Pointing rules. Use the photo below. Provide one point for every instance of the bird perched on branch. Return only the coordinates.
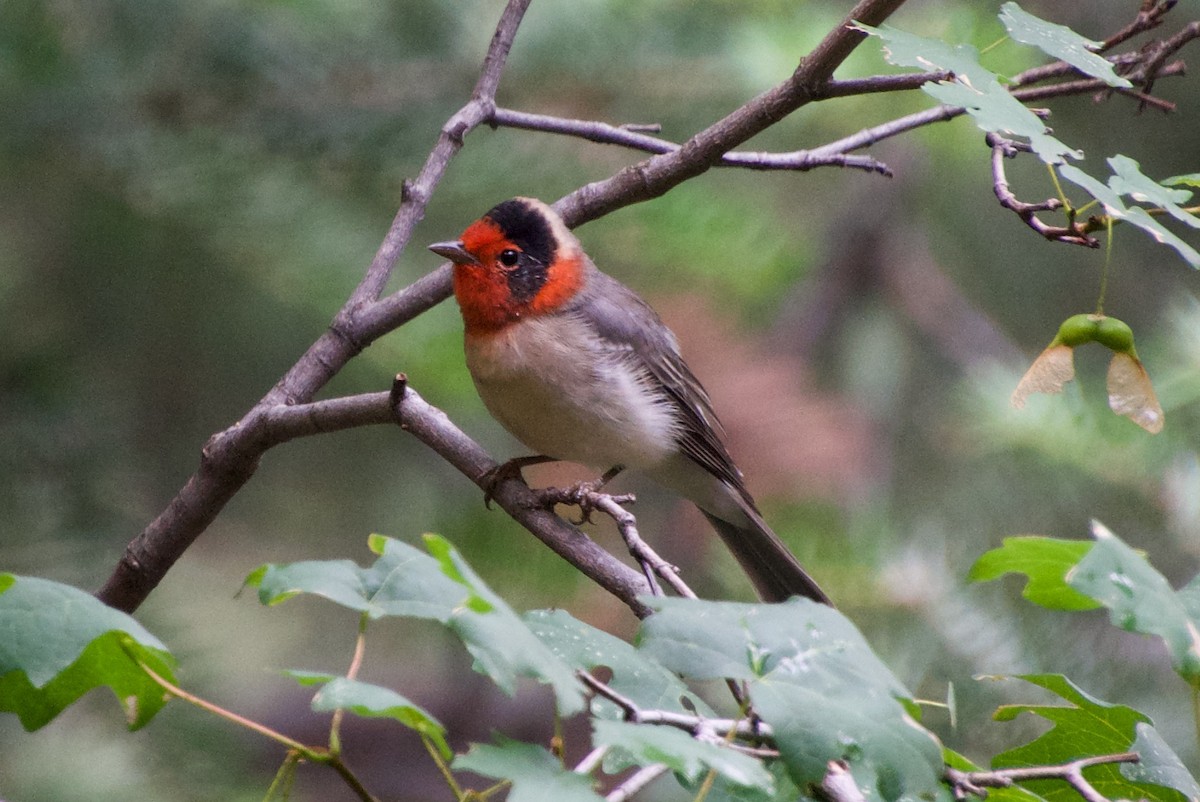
(579, 368)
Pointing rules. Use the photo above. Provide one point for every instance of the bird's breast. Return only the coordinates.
(565, 393)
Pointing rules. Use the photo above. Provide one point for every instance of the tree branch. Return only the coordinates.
(604, 133)
(975, 781)
(230, 457)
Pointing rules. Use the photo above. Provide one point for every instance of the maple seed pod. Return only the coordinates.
(1079, 329)
(1115, 335)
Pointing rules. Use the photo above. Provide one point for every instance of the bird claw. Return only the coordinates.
(580, 494)
(492, 478)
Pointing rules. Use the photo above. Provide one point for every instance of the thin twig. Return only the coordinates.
(639, 780)
(711, 729)
(1073, 234)
(838, 784)
(591, 760)
(315, 754)
(973, 782)
(626, 136)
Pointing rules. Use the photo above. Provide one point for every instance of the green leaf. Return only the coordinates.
(372, 701)
(536, 775)
(503, 646)
(403, 581)
(1086, 726)
(58, 643)
(1136, 215)
(442, 587)
(724, 791)
(1060, 42)
(634, 675)
(1139, 599)
(1159, 765)
(1128, 179)
(808, 667)
(1046, 562)
(681, 752)
(1191, 180)
(975, 89)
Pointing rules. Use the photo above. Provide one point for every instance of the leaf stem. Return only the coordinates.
(306, 752)
(432, 749)
(360, 646)
(314, 753)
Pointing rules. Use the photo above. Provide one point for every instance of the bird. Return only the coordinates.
(579, 368)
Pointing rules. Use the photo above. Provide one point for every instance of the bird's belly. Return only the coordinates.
(537, 380)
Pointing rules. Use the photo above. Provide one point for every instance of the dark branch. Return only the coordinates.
(604, 133)
(231, 457)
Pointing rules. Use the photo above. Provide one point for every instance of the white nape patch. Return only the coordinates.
(564, 393)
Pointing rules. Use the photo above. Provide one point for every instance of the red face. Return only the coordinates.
(508, 282)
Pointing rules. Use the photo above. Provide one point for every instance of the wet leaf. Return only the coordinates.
(536, 775)
(1139, 599)
(807, 666)
(1061, 42)
(684, 754)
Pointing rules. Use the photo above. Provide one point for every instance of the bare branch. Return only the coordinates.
(231, 457)
(604, 133)
(881, 83)
(433, 428)
(838, 784)
(659, 174)
(1073, 233)
(974, 782)
(586, 496)
(640, 779)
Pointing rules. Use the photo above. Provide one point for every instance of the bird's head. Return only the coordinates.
(517, 260)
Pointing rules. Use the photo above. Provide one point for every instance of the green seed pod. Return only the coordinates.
(1115, 335)
(1078, 330)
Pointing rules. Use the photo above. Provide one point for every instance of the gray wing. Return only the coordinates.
(628, 324)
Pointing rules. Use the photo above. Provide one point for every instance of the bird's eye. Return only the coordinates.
(509, 257)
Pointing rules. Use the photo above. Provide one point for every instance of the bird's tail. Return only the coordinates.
(776, 573)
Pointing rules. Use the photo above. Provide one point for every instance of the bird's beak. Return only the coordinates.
(455, 252)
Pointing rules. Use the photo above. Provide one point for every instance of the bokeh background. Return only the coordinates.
(189, 190)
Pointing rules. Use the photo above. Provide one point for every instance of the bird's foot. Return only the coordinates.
(491, 479)
(580, 494)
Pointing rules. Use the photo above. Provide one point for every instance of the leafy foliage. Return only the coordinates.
(371, 701)
(684, 754)
(58, 643)
(1100, 728)
(975, 88)
(1128, 180)
(536, 775)
(1045, 561)
(405, 582)
(1060, 42)
(635, 674)
(1111, 574)
(806, 664)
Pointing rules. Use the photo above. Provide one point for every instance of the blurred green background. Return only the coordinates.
(189, 190)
